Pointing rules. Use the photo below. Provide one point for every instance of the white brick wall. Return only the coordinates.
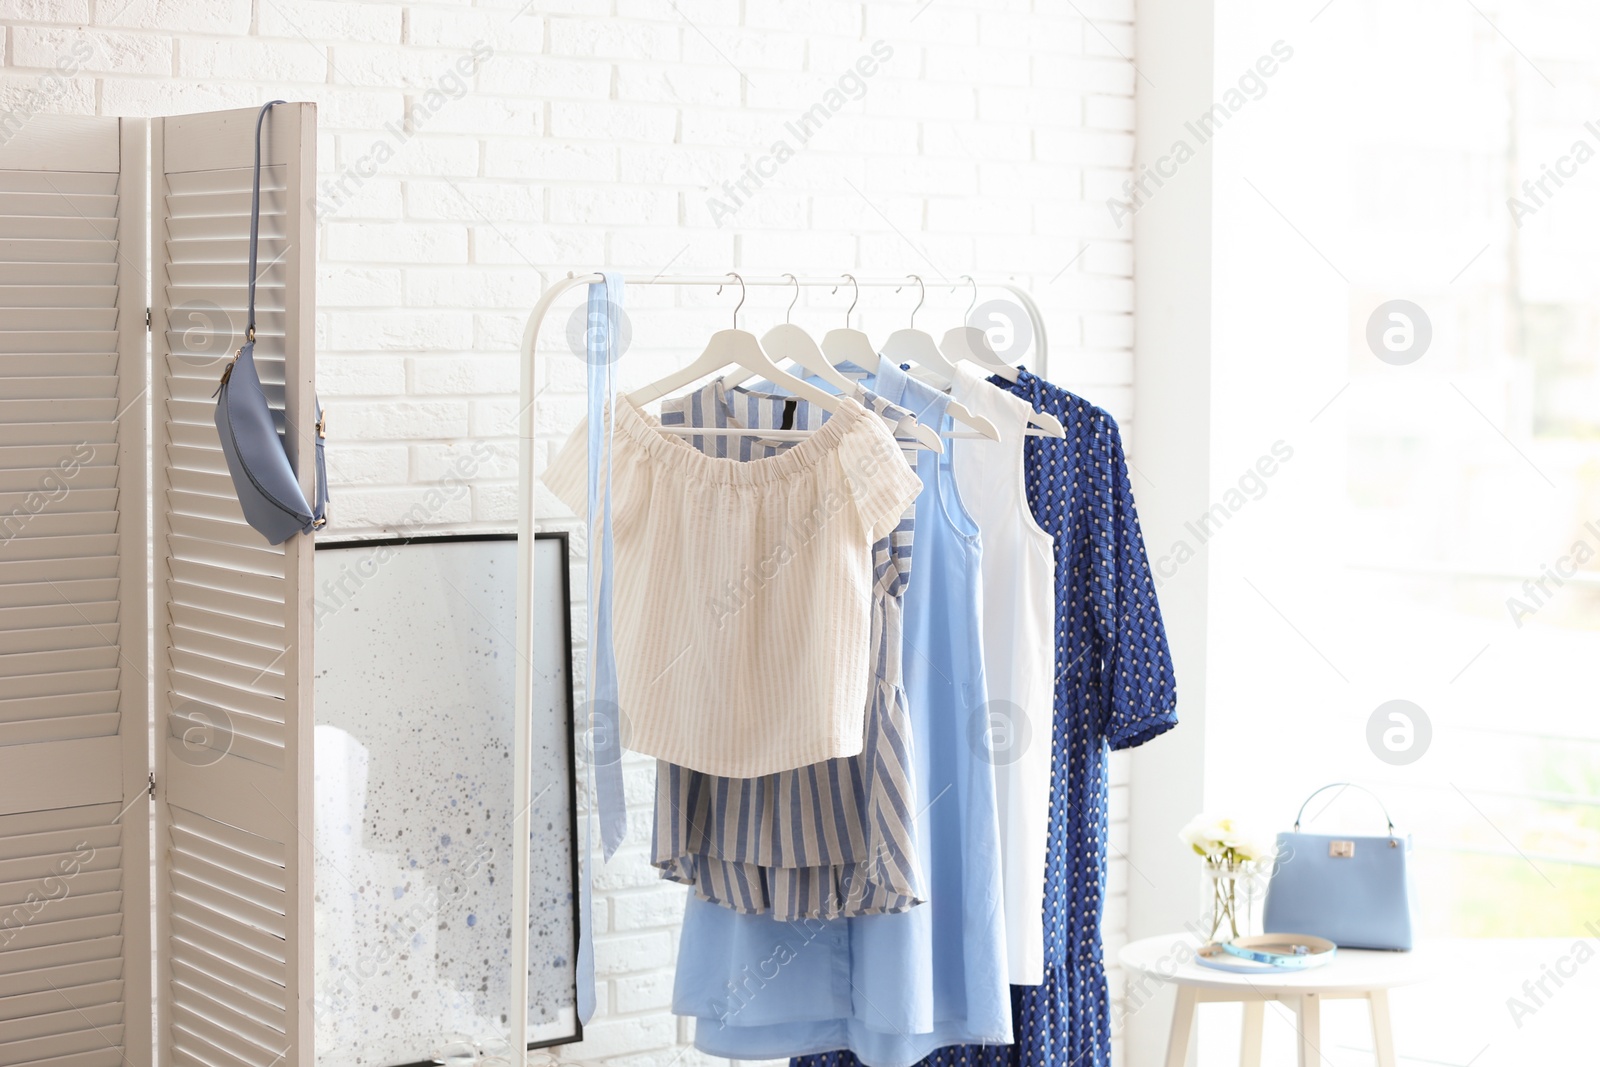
(592, 136)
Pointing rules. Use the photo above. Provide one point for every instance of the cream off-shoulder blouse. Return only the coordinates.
(743, 590)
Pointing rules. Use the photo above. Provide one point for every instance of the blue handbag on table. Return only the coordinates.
(263, 478)
(1354, 891)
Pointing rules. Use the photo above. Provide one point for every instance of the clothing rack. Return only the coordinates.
(522, 792)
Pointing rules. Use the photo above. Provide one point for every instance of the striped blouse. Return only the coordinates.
(823, 841)
(742, 608)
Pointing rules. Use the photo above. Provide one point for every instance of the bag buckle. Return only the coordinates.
(1341, 850)
(227, 372)
(322, 426)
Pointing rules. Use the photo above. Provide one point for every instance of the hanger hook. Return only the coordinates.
(853, 300)
(790, 309)
(967, 318)
(922, 294)
(740, 304)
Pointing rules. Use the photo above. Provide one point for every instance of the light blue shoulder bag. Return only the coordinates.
(1354, 891)
(252, 438)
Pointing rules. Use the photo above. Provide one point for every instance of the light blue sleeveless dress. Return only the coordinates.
(891, 988)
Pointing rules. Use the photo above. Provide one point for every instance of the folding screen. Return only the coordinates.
(230, 685)
(133, 594)
(233, 619)
(74, 752)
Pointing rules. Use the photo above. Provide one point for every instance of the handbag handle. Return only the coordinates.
(1346, 785)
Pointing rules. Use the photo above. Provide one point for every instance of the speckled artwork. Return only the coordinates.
(415, 691)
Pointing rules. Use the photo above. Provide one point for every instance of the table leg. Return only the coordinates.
(1309, 1022)
(1182, 1026)
(1255, 1013)
(1382, 1027)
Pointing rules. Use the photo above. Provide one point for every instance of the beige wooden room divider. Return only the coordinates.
(155, 665)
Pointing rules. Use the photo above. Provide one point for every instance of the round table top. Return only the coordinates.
(1171, 958)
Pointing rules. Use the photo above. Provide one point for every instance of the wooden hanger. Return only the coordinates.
(788, 341)
(736, 347)
(845, 345)
(916, 347)
(905, 346)
(967, 342)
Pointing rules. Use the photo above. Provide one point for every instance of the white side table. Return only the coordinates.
(1352, 974)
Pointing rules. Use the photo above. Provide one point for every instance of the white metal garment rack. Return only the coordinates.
(526, 519)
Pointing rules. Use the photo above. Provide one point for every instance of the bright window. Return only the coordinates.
(1434, 534)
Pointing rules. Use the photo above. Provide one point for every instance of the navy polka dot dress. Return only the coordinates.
(1114, 689)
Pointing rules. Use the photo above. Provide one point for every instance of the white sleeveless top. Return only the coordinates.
(1019, 603)
(742, 610)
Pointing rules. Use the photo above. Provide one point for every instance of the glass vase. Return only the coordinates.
(1228, 898)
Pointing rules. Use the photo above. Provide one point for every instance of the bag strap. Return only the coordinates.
(1345, 785)
(319, 505)
(255, 220)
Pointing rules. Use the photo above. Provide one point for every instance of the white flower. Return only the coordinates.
(1256, 844)
(1203, 833)
(1220, 837)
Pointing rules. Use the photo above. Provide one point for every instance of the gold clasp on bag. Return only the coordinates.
(1341, 850)
(227, 371)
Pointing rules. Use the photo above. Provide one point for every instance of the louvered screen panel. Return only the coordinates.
(74, 660)
(233, 686)
(62, 971)
(228, 935)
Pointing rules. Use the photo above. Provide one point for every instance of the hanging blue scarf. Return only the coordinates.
(604, 338)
